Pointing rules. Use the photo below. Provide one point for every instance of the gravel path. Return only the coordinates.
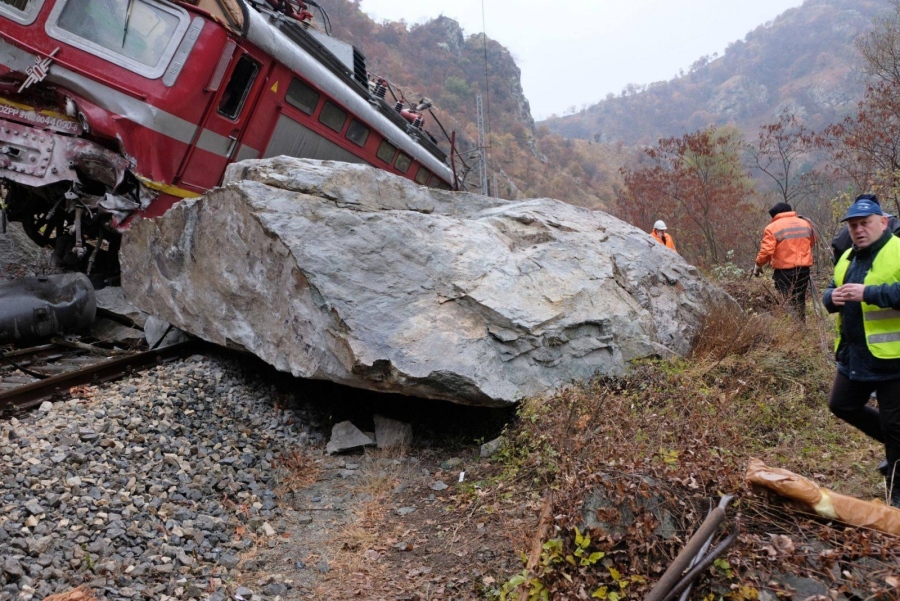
(160, 486)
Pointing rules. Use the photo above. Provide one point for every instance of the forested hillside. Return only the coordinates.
(800, 73)
(437, 60)
(803, 61)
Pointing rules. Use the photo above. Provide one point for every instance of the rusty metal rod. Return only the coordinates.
(694, 572)
(723, 503)
(24, 370)
(682, 560)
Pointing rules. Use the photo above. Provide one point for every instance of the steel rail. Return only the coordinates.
(30, 395)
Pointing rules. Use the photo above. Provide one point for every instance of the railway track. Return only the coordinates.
(30, 376)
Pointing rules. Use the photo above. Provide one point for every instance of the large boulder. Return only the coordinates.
(350, 274)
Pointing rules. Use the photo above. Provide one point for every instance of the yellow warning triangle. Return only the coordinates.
(275, 87)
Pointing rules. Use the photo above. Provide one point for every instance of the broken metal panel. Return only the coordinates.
(38, 158)
(35, 308)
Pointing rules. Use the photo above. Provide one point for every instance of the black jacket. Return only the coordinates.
(855, 361)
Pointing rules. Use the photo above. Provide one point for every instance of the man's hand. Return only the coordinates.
(757, 271)
(846, 293)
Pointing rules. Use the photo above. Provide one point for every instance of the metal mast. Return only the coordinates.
(482, 147)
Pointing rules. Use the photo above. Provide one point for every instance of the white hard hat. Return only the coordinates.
(659, 225)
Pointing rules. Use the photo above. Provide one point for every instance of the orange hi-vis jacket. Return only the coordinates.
(665, 239)
(787, 242)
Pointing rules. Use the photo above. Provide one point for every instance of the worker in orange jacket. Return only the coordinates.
(662, 236)
(787, 246)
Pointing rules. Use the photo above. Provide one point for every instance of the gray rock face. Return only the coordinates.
(160, 334)
(392, 434)
(350, 274)
(20, 257)
(112, 298)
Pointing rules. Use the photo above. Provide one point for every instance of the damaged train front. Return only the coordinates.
(65, 174)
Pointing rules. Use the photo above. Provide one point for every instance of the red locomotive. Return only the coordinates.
(112, 110)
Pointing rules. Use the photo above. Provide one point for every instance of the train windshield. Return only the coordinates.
(138, 34)
(22, 11)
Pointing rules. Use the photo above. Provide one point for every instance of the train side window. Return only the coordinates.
(357, 133)
(302, 96)
(139, 35)
(386, 151)
(402, 163)
(333, 116)
(20, 11)
(422, 175)
(238, 87)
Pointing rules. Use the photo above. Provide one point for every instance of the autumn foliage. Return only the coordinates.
(696, 184)
(865, 148)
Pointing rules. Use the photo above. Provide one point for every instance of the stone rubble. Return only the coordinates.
(155, 487)
(392, 434)
(347, 437)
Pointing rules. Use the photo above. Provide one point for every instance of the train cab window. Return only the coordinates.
(357, 133)
(422, 175)
(402, 163)
(139, 35)
(20, 11)
(333, 116)
(302, 96)
(238, 87)
(435, 182)
(386, 151)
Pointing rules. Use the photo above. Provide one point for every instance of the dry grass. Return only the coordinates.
(657, 447)
(357, 547)
(677, 435)
(77, 594)
(297, 470)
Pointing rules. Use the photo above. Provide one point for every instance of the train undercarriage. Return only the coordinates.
(91, 193)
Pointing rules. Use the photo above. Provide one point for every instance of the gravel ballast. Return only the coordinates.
(154, 487)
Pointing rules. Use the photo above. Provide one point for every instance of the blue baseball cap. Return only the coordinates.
(863, 208)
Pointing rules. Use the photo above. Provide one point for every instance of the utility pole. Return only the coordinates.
(482, 147)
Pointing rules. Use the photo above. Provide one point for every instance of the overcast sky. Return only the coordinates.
(574, 52)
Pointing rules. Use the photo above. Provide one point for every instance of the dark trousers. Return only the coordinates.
(849, 399)
(792, 284)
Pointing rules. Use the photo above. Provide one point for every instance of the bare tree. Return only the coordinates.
(880, 48)
(779, 153)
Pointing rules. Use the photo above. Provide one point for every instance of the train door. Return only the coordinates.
(219, 134)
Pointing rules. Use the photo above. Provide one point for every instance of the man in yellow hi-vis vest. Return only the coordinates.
(866, 294)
